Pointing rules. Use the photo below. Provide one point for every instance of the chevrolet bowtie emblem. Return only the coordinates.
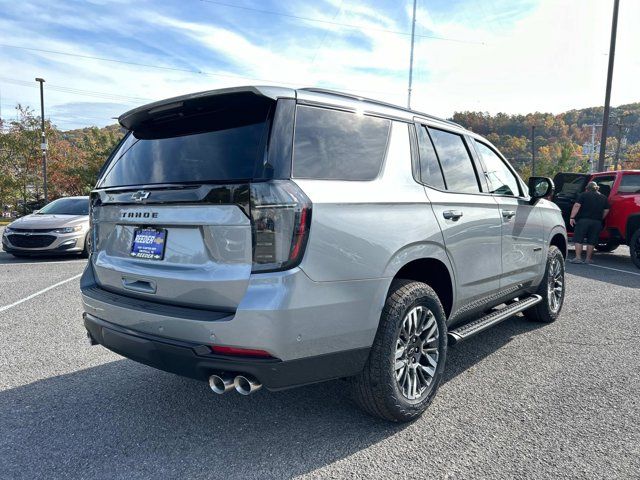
(140, 195)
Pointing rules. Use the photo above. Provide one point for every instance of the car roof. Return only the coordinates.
(311, 96)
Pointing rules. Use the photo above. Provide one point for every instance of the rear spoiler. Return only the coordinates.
(172, 107)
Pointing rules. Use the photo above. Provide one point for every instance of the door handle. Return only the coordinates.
(452, 214)
(508, 213)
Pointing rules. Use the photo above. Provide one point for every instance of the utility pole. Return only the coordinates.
(413, 42)
(620, 126)
(592, 148)
(43, 143)
(533, 150)
(607, 97)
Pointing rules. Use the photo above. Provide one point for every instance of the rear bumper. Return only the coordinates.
(196, 360)
(324, 328)
(283, 313)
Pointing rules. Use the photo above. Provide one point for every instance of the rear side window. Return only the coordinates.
(226, 145)
(430, 172)
(459, 172)
(629, 184)
(334, 145)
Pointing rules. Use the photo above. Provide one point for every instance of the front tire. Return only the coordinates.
(551, 289)
(408, 355)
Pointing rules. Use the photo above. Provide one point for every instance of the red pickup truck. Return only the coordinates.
(622, 187)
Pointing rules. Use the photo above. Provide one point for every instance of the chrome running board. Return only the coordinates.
(470, 329)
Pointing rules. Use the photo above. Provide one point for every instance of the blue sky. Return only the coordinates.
(500, 55)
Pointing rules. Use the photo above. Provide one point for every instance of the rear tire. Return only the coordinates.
(408, 355)
(551, 289)
(607, 247)
(634, 248)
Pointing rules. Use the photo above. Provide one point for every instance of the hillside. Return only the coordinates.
(559, 138)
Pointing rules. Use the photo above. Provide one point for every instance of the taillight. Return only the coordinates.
(280, 220)
(93, 199)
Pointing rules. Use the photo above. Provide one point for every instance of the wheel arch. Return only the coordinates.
(633, 223)
(558, 238)
(427, 263)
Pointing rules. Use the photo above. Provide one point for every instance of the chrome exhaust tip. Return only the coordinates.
(246, 385)
(220, 384)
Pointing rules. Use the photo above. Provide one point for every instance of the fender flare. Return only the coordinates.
(555, 230)
(419, 251)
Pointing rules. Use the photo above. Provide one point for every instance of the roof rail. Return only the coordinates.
(377, 102)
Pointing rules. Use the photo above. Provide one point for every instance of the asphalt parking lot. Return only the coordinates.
(520, 401)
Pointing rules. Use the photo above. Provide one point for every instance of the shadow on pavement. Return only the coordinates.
(627, 278)
(122, 419)
(464, 355)
(8, 259)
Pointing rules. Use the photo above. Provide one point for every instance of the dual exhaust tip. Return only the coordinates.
(244, 385)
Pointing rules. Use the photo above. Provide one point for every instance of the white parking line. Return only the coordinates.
(44, 290)
(615, 269)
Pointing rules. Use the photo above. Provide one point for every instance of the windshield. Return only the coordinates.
(67, 206)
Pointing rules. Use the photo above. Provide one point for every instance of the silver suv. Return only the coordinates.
(268, 236)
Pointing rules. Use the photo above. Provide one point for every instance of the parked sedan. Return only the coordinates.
(60, 227)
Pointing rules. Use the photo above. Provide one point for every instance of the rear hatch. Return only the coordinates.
(568, 187)
(170, 214)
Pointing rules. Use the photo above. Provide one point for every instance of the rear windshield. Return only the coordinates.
(67, 206)
(226, 145)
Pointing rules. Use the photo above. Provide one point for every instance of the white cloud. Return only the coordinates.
(550, 57)
(553, 59)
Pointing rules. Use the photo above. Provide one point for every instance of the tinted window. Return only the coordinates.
(67, 206)
(430, 173)
(501, 180)
(569, 185)
(333, 145)
(224, 146)
(629, 184)
(458, 170)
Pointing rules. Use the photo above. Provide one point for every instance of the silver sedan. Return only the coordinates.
(62, 226)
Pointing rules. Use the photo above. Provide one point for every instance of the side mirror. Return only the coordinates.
(35, 211)
(540, 187)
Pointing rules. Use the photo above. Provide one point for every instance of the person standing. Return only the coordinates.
(587, 215)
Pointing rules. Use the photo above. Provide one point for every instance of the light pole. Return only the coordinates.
(43, 143)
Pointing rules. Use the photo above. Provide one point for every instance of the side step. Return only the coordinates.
(470, 329)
